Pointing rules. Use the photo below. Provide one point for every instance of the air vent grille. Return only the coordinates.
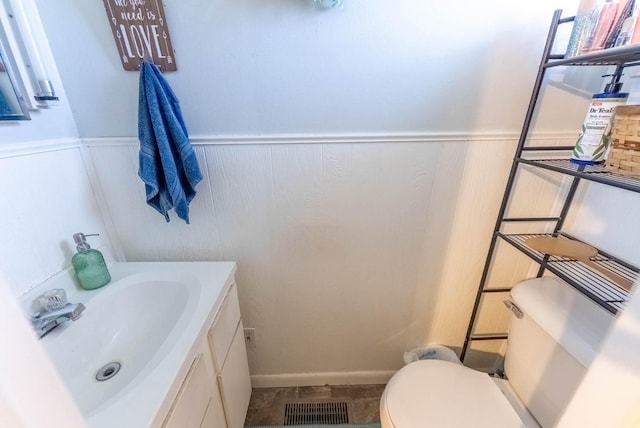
(315, 413)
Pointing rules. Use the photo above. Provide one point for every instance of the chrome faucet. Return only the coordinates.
(45, 321)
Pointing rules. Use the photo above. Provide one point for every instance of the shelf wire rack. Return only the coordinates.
(590, 282)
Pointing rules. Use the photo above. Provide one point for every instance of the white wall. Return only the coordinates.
(47, 197)
(52, 123)
(284, 67)
(606, 218)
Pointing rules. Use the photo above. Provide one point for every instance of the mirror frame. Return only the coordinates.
(8, 62)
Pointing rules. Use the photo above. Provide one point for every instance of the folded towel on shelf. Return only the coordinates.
(168, 164)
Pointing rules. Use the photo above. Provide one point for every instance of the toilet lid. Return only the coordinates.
(435, 393)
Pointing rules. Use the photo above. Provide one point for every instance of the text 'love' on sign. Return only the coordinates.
(140, 28)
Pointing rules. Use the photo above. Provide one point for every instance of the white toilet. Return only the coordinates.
(548, 351)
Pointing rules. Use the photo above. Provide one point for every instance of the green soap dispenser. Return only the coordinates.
(89, 264)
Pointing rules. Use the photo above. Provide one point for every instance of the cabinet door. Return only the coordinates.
(235, 383)
(224, 328)
(198, 401)
(214, 416)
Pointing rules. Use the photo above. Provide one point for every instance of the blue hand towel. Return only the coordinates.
(168, 164)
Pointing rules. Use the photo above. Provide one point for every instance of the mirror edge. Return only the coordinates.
(18, 89)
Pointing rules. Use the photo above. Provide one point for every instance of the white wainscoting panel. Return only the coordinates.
(349, 253)
(46, 197)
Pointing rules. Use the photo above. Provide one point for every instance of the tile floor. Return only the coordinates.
(267, 404)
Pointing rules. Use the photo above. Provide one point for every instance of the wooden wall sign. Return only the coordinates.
(140, 27)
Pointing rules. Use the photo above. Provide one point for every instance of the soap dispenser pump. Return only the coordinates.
(89, 264)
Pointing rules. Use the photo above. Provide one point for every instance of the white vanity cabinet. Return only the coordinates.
(226, 341)
(198, 403)
(216, 390)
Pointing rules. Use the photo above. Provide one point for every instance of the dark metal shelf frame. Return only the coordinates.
(593, 284)
(577, 274)
(622, 55)
(596, 173)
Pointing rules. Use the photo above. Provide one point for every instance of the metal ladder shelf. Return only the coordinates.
(589, 282)
(597, 287)
(595, 173)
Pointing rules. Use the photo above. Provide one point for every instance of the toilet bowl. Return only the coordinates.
(548, 351)
(450, 394)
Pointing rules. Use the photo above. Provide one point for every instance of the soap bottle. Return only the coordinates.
(89, 264)
(592, 146)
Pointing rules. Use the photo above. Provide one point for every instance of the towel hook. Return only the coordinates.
(146, 57)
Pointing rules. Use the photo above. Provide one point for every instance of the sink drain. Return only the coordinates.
(108, 371)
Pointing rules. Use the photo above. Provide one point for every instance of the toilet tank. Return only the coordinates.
(550, 347)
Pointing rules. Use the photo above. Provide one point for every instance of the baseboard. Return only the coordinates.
(322, 378)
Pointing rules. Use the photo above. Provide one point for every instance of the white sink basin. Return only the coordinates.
(128, 324)
(147, 319)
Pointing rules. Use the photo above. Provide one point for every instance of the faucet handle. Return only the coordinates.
(77, 311)
(43, 323)
(50, 300)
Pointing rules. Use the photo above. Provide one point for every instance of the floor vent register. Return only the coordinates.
(315, 413)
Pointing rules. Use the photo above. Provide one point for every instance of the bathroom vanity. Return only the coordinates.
(216, 389)
(176, 332)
